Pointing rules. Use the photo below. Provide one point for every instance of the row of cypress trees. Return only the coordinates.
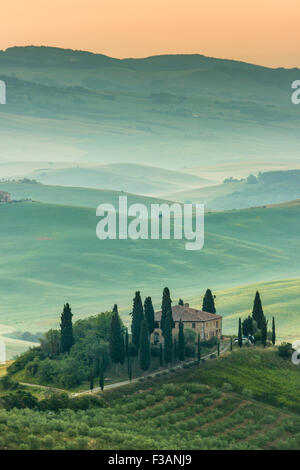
(142, 326)
(139, 313)
(247, 327)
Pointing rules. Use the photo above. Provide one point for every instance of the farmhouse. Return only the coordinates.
(207, 324)
(4, 196)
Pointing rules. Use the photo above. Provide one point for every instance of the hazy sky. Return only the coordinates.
(260, 31)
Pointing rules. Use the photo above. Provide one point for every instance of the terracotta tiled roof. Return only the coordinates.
(188, 314)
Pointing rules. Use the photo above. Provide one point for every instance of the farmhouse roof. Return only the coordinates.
(186, 313)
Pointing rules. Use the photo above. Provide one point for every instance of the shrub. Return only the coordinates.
(33, 442)
(48, 442)
(285, 350)
(247, 393)
(227, 387)
(8, 384)
(19, 399)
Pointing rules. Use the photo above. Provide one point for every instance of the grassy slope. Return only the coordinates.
(50, 255)
(269, 377)
(207, 194)
(241, 195)
(71, 196)
(280, 299)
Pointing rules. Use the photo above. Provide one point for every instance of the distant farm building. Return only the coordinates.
(4, 197)
(206, 324)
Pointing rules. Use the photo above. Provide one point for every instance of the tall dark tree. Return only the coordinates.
(144, 350)
(97, 367)
(248, 326)
(166, 308)
(66, 329)
(129, 365)
(273, 331)
(198, 348)
(258, 313)
(240, 334)
(116, 338)
(231, 344)
(168, 344)
(161, 359)
(101, 375)
(181, 343)
(180, 302)
(92, 378)
(208, 304)
(175, 351)
(129, 369)
(123, 348)
(218, 348)
(149, 314)
(137, 317)
(126, 343)
(264, 332)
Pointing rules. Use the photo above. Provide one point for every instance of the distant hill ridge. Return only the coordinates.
(166, 110)
(47, 52)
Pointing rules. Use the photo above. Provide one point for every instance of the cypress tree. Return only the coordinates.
(144, 352)
(198, 348)
(101, 375)
(231, 344)
(218, 348)
(116, 338)
(166, 308)
(161, 360)
(248, 326)
(137, 317)
(181, 343)
(175, 349)
(129, 369)
(264, 331)
(208, 304)
(257, 313)
(180, 302)
(168, 344)
(240, 335)
(149, 314)
(66, 329)
(126, 345)
(273, 331)
(123, 349)
(91, 379)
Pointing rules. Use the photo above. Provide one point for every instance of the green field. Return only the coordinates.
(245, 400)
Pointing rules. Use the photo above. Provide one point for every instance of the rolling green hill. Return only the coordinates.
(132, 178)
(50, 254)
(267, 188)
(169, 111)
(70, 196)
